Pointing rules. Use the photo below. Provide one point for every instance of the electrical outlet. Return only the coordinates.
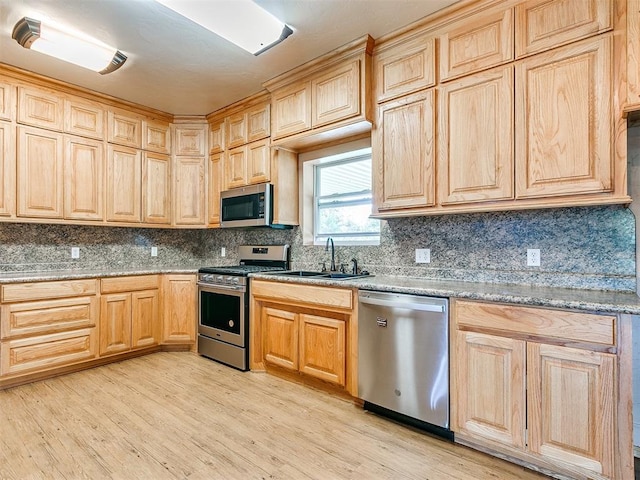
(223, 252)
(533, 257)
(75, 252)
(154, 251)
(423, 255)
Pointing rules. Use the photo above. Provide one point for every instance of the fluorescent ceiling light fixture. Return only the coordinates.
(78, 49)
(242, 22)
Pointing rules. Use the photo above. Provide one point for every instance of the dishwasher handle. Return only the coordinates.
(413, 303)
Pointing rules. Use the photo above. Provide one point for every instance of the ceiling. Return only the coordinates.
(178, 67)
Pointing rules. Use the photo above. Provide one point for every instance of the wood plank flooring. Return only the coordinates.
(179, 416)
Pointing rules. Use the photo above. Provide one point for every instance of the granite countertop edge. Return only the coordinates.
(587, 300)
(50, 275)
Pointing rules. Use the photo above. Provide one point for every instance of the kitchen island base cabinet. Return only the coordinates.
(305, 329)
(542, 387)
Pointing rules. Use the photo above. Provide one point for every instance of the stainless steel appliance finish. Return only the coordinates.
(403, 355)
(223, 303)
(247, 206)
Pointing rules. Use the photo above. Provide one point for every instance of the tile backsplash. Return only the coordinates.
(587, 247)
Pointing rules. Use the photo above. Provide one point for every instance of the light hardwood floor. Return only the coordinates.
(178, 415)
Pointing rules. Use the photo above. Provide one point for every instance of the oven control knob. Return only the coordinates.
(236, 280)
(219, 278)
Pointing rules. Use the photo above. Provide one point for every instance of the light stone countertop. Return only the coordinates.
(588, 300)
(50, 275)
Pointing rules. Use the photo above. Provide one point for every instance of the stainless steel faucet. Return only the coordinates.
(333, 254)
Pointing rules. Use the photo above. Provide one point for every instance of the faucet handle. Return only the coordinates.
(324, 266)
(343, 268)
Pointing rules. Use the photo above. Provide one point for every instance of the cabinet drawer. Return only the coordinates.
(21, 292)
(30, 318)
(129, 284)
(573, 326)
(304, 294)
(47, 351)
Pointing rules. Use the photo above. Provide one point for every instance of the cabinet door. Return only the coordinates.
(145, 320)
(322, 348)
(281, 337)
(258, 162)
(258, 122)
(7, 169)
(190, 141)
(544, 24)
(84, 119)
(83, 187)
(123, 184)
(488, 394)
(214, 173)
(124, 129)
(235, 170)
(291, 110)
(564, 121)
(180, 300)
(570, 407)
(477, 165)
(115, 323)
(405, 68)
(156, 188)
(237, 130)
(156, 137)
(335, 95)
(40, 173)
(404, 153)
(40, 108)
(476, 44)
(216, 136)
(189, 191)
(7, 101)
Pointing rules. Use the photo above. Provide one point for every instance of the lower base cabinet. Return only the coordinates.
(180, 303)
(129, 313)
(305, 329)
(520, 390)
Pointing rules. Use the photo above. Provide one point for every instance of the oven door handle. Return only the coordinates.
(229, 288)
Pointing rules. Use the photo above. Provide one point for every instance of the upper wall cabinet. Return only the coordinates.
(190, 141)
(84, 118)
(544, 24)
(156, 137)
(7, 101)
(325, 99)
(216, 136)
(564, 121)
(40, 108)
(125, 129)
(404, 67)
(7, 169)
(83, 180)
(248, 125)
(476, 44)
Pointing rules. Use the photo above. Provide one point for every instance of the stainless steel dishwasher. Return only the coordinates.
(403, 355)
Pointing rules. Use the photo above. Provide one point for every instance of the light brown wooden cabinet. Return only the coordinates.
(476, 43)
(404, 153)
(156, 188)
(84, 118)
(40, 158)
(248, 165)
(564, 121)
(156, 137)
(47, 325)
(478, 165)
(404, 67)
(180, 300)
(189, 188)
(217, 133)
(124, 128)
(123, 184)
(83, 179)
(335, 94)
(306, 329)
(539, 385)
(7, 100)
(129, 313)
(190, 141)
(214, 187)
(7, 169)
(40, 107)
(291, 110)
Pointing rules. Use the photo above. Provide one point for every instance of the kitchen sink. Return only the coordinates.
(320, 275)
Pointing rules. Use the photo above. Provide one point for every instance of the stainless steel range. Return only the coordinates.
(223, 293)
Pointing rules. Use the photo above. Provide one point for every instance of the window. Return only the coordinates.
(342, 200)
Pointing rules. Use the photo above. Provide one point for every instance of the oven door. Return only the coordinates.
(223, 313)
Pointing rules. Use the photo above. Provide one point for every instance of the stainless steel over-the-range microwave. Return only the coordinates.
(250, 206)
